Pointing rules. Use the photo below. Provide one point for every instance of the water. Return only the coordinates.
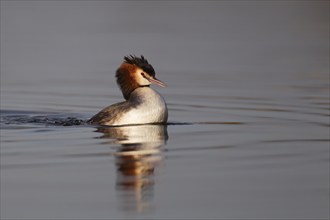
(248, 99)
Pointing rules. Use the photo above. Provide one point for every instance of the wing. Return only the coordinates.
(110, 114)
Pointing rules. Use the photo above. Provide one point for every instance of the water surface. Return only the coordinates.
(248, 99)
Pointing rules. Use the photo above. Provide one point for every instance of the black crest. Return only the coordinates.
(140, 62)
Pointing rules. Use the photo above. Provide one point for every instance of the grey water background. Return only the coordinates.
(248, 99)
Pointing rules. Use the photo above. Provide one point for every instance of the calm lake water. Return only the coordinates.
(248, 99)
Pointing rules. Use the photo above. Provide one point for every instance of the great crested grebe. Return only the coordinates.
(143, 105)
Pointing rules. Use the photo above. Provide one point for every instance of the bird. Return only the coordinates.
(142, 105)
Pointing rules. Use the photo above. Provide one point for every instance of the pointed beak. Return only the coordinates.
(157, 82)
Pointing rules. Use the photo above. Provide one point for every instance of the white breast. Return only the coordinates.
(146, 106)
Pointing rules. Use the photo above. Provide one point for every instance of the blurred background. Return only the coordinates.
(76, 46)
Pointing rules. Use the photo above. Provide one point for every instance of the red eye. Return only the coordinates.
(142, 73)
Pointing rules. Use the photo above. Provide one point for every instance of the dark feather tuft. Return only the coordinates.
(140, 62)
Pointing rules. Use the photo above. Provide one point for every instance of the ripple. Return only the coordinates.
(12, 117)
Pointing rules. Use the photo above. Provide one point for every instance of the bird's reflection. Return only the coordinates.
(137, 156)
